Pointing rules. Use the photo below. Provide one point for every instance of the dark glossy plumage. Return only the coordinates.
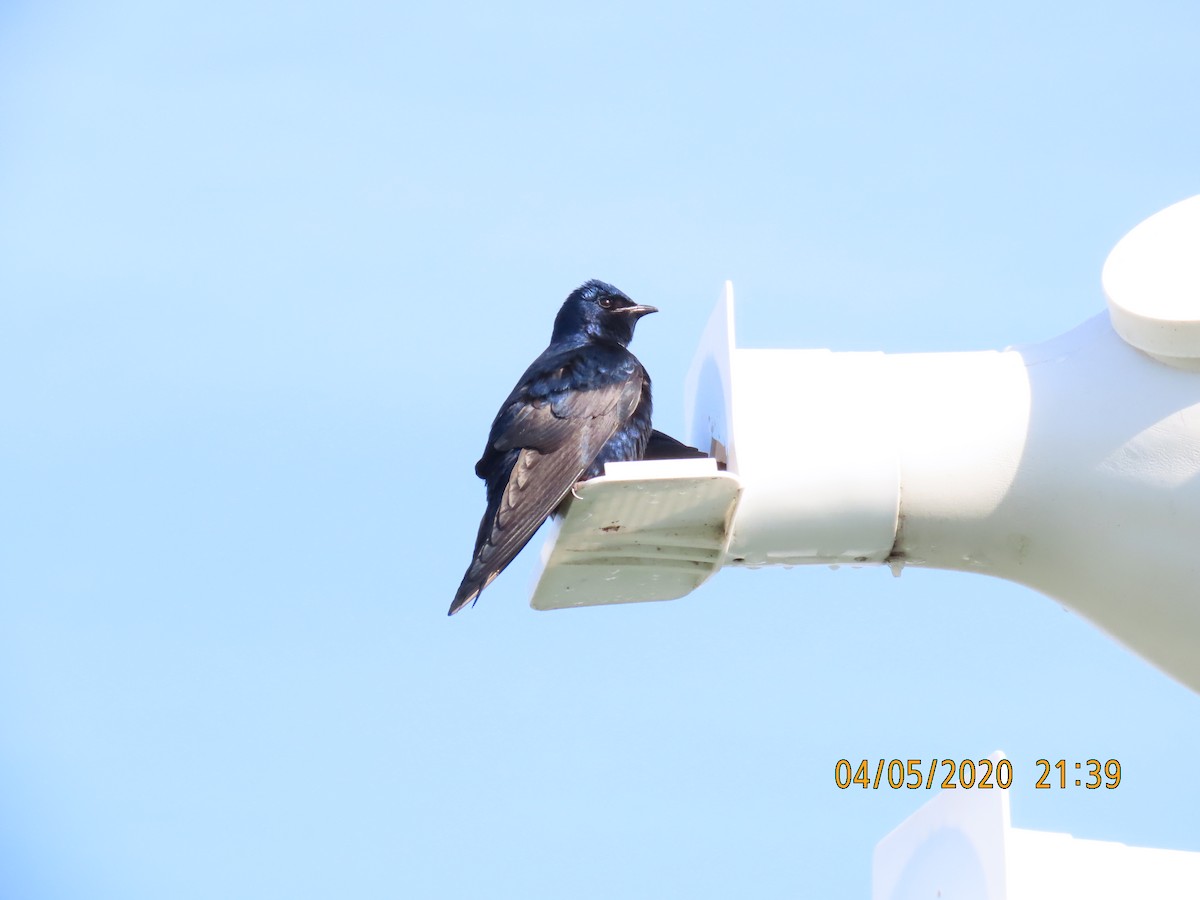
(663, 446)
(584, 402)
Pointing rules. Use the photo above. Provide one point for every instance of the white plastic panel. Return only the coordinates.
(707, 413)
(643, 531)
(961, 844)
(951, 847)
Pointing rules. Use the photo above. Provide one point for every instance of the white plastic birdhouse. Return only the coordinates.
(1071, 466)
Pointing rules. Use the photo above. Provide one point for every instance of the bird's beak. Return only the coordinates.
(637, 311)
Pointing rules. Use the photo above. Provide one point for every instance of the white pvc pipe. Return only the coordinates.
(1093, 499)
(1071, 466)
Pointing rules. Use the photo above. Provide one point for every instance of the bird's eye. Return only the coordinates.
(605, 302)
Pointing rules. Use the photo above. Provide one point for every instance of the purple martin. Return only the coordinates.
(583, 403)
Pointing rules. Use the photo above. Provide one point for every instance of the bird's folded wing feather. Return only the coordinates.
(558, 439)
(546, 424)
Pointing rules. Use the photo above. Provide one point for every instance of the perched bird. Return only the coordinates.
(583, 403)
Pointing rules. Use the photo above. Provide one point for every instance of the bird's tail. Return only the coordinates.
(501, 537)
(480, 573)
(472, 585)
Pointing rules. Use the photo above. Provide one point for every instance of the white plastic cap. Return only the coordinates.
(1152, 281)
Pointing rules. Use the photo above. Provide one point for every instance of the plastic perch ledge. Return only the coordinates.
(1070, 466)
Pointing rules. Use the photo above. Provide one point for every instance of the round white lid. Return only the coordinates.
(1152, 281)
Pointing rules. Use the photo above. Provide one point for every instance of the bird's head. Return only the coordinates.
(598, 311)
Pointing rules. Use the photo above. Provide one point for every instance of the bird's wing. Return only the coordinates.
(557, 439)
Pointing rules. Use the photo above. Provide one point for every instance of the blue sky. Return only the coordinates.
(266, 272)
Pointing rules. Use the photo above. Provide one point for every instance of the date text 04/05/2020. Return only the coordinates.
(917, 774)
